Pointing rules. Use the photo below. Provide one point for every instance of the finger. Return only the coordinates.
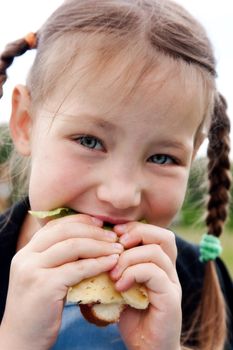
(153, 277)
(150, 253)
(133, 234)
(77, 248)
(54, 232)
(74, 272)
(164, 296)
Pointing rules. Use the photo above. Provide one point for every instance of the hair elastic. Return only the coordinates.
(31, 40)
(210, 248)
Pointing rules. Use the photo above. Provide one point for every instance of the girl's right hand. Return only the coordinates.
(61, 254)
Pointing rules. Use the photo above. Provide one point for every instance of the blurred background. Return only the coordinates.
(20, 17)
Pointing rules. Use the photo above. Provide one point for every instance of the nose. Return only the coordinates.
(121, 190)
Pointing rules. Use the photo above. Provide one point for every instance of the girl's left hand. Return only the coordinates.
(152, 263)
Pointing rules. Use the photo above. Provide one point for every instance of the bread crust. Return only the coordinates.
(100, 303)
(89, 315)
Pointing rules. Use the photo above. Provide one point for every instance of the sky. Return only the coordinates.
(21, 17)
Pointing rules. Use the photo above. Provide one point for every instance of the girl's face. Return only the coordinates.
(122, 160)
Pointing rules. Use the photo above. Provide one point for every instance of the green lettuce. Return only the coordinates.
(61, 212)
(52, 214)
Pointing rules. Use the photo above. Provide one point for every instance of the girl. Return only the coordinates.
(119, 99)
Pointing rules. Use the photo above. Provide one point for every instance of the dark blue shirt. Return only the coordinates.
(77, 333)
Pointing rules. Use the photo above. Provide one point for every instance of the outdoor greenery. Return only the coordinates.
(193, 234)
(5, 144)
(194, 207)
(190, 222)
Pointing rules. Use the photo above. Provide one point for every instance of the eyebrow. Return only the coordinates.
(97, 120)
(104, 124)
(170, 143)
(173, 144)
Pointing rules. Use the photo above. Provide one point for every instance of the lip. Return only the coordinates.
(112, 221)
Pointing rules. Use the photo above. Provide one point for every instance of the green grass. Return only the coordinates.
(194, 234)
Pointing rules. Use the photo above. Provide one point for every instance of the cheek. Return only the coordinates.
(55, 181)
(166, 203)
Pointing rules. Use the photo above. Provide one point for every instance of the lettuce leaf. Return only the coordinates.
(52, 214)
(61, 212)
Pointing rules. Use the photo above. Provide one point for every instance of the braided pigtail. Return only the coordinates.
(17, 48)
(213, 323)
(218, 168)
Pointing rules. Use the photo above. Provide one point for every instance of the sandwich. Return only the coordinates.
(100, 303)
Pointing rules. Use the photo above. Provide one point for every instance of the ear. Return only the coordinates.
(21, 121)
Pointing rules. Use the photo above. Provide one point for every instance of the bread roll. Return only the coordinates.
(101, 304)
(97, 298)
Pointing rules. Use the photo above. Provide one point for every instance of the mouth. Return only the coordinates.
(111, 222)
(108, 225)
(108, 222)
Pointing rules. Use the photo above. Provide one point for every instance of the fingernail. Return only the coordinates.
(97, 221)
(125, 238)
(119, 284)
(120, 228)
(114, 257)
(115, 272)
(118, 247)
(111, 235)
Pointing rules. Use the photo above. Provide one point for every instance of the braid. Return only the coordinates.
(17, 48)
(218, 168)
(212, 309)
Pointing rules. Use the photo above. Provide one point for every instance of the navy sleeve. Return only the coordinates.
(227, 288)
(191, 274)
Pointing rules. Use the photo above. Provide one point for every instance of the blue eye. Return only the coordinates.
(162, 159)
(90, 142)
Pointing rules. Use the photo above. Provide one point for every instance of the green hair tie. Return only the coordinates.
(210, 248)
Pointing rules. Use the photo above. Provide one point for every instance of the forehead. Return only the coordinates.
(126, 86)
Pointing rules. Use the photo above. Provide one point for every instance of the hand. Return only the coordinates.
(153, 264)
(62, 253)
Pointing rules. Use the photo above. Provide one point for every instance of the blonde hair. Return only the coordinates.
(144, 29)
